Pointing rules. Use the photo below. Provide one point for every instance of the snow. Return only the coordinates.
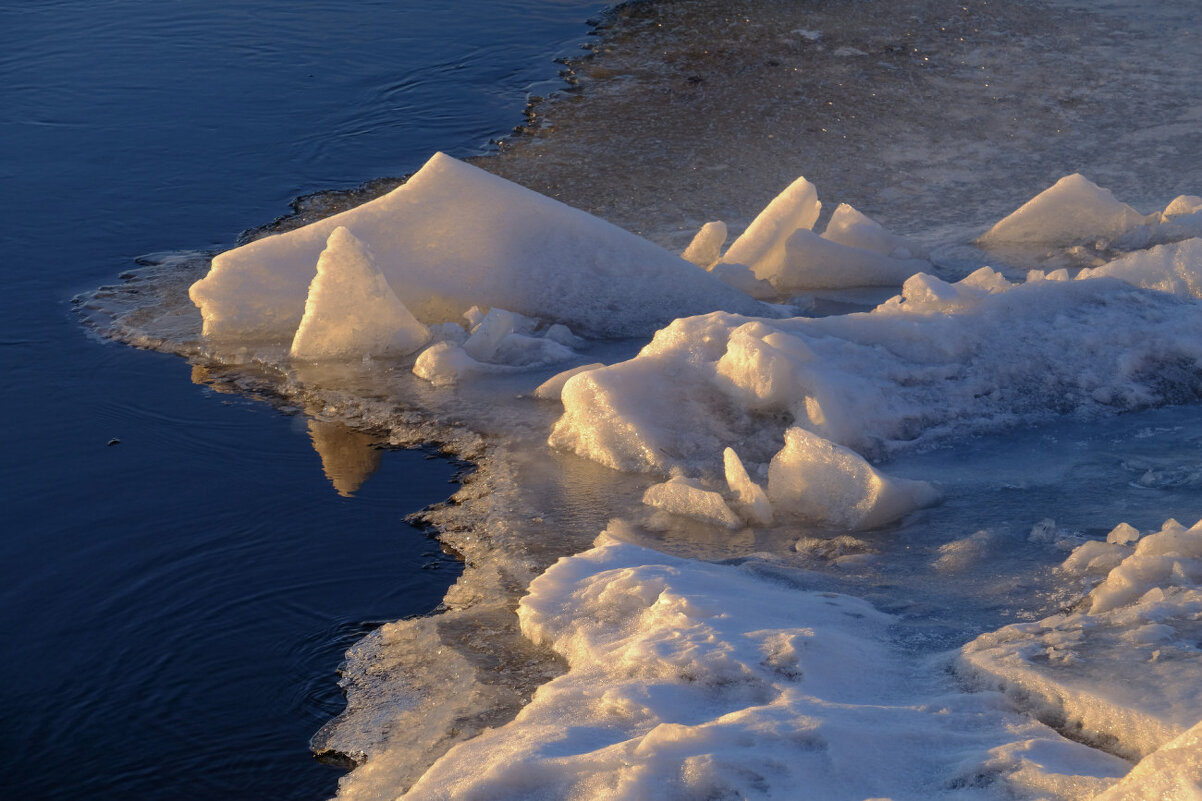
(691, 680)
(453, 237)
(1122, 669)
(351, 311)
(770, 446)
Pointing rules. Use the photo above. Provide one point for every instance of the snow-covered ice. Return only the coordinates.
(453, 237)
(768, 442)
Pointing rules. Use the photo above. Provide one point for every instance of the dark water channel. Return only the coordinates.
(179, 576)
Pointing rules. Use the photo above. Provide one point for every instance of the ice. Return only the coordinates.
(351, 311)
(691, 680)
(1174, 268)
(487, 334)
(706, 247)
(1172, 772)
(552, 388)
(750, 495)
(1074, 210)
(815, 479)
(680, 496)
(781, 248)
(1120, 670)
(762, 246)
(445, 363)
(454, 237)
(939, 360)
(852, 228)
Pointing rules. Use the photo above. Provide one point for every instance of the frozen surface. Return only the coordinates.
(1122, 670)
(453, 237)
(776, 602)
(690, 680)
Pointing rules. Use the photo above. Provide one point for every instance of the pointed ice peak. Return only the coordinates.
(706, 247)
(762, 246)
(851, 227)
(1074, 210)
(455, 236)
(351, 311)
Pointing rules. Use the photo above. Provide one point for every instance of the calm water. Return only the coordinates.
(174, 606)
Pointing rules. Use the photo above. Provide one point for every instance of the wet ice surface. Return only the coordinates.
(936, 119)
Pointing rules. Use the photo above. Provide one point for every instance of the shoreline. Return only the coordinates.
(493, 500)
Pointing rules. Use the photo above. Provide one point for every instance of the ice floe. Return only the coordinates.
(453, 237)
(692, 679)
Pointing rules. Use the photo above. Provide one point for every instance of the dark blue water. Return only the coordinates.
(174, 606)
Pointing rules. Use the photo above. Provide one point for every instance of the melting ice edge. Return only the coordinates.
(653, 675)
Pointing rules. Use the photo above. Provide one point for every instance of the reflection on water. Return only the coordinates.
(347, 456)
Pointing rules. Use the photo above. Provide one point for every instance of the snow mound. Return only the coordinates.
(1074, 210)
(454, 237)
(691, 680)
(1174, 268)
(1123, 669)
(351, 311)
(940, 360)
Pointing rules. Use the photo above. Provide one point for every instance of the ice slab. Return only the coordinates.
(781, 248)
(820, 481)
(351, 311)
(1071, 211)
(1174, 268)
(1122, 669)
(455, 236)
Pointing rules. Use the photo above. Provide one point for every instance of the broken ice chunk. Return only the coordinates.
(351, 311)
(762, 246)
(852, 228)
(1175, 269)
(813, 262)
(680, 496)
(454, 236)
(444, 363)
(706, 246)
(750, 495)
(488, 333)
(826, 483)
(552, 388)
(1072, 211)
